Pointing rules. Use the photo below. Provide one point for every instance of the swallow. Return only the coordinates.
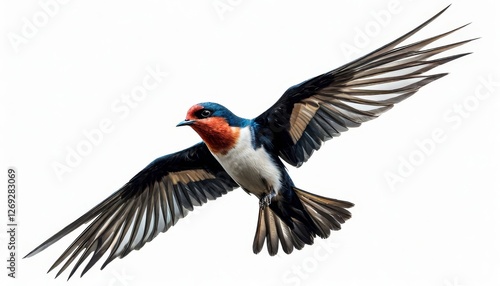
(250, 153)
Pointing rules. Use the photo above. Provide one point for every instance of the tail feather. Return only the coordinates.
(260, 233)
(272, 234)
(326, 213)
(297, 224)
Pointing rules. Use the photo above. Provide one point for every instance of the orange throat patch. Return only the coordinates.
(217, 134)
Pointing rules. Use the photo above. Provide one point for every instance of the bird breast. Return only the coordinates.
(253, 169)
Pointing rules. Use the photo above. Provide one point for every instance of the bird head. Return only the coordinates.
(217, 126)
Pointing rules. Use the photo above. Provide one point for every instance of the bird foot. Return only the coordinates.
(266, 200)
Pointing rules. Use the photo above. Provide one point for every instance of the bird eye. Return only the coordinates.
(205, 113)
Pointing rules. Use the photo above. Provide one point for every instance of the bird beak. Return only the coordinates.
(186, 123)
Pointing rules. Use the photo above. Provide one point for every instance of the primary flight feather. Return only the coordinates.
(248, 153)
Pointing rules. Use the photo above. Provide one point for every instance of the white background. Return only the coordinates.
(439, 226)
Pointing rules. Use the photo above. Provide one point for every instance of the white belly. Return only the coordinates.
(252, 169)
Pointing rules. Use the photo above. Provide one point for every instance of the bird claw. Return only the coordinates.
(266, 200)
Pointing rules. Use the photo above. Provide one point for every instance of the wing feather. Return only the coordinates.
(319, 109)
(151, 202)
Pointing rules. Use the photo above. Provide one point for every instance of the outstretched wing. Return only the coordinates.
(320, 108)
(150, 203)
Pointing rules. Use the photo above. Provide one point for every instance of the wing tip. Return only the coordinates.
(30, 254)
(39, 249)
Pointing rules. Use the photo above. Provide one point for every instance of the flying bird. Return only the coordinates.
(250, 153)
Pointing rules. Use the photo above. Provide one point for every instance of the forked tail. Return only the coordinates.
(297, 220)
